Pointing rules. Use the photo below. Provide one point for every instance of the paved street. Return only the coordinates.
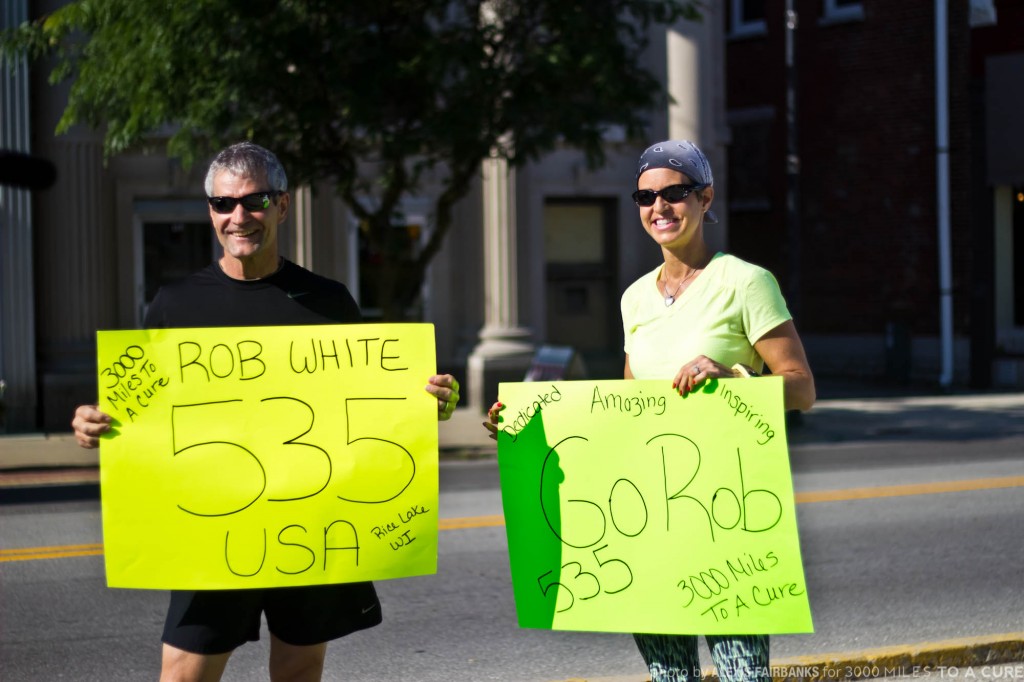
(908, 532)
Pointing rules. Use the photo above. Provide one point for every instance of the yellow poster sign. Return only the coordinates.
(249, 457)
(629, 508)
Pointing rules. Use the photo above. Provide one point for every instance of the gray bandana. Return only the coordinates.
(679, 155)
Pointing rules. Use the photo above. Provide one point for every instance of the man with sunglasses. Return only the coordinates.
(252, 285)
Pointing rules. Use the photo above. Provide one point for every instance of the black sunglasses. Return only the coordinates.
(257, 201)
(673, 194)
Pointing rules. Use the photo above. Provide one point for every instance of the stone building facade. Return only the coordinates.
(540, 255)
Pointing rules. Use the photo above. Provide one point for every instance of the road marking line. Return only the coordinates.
(910, 489)
(471, 522)
(461, 523)
(32, 553)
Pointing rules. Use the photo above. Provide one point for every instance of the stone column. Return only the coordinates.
(696, 80)
(505, 348)
(300, 224)
(19, 394)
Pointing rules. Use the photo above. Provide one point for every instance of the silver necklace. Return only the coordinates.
(671, 298)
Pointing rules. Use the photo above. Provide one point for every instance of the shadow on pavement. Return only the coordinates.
(64, 492)
(907, 419)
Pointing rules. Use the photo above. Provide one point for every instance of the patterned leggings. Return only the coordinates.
(673, 658)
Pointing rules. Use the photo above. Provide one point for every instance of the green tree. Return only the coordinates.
(371, 94)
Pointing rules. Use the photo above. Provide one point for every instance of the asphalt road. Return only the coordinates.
(913, 555)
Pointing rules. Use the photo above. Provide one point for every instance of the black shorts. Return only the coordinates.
(219, 621)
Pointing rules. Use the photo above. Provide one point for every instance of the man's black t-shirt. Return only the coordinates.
(290, 296)
(217, 621)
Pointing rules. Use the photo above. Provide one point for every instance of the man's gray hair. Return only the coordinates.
(248, 160)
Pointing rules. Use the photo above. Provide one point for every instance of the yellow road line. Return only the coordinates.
(58, 552)
(911, 489)
(471, 522)
(62, 551)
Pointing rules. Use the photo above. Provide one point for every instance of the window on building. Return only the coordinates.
(747, 18)
(172, 240)
(842, 10)
(580, 251)
(749, 161)
(173, 251)
(406, 239)
(983, 13)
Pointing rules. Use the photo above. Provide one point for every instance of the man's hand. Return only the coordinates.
(445, 388)
(89, 424)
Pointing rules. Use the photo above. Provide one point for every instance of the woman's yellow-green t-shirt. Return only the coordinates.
(722, 314)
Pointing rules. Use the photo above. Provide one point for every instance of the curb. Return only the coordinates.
(904, 660)
(49, 476)
(942, 658)
(85, 473)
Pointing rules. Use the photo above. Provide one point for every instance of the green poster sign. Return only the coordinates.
(630, 508)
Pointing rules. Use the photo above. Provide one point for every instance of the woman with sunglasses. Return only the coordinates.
(693, 318)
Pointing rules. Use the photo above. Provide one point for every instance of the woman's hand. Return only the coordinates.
(493, 419)
(697, 371)
(445, 388)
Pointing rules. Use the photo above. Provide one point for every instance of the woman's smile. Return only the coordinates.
(664, 224)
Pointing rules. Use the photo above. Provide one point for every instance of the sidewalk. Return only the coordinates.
(833, 420)
(35, 456)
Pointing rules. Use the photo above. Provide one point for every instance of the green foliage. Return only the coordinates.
(372, 94)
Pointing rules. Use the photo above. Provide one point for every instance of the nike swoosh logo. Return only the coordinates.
(296, 294)
(369, 608)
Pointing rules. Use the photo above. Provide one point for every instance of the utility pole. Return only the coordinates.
(792, 166)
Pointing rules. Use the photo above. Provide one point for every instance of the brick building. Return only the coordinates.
(860, 260)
